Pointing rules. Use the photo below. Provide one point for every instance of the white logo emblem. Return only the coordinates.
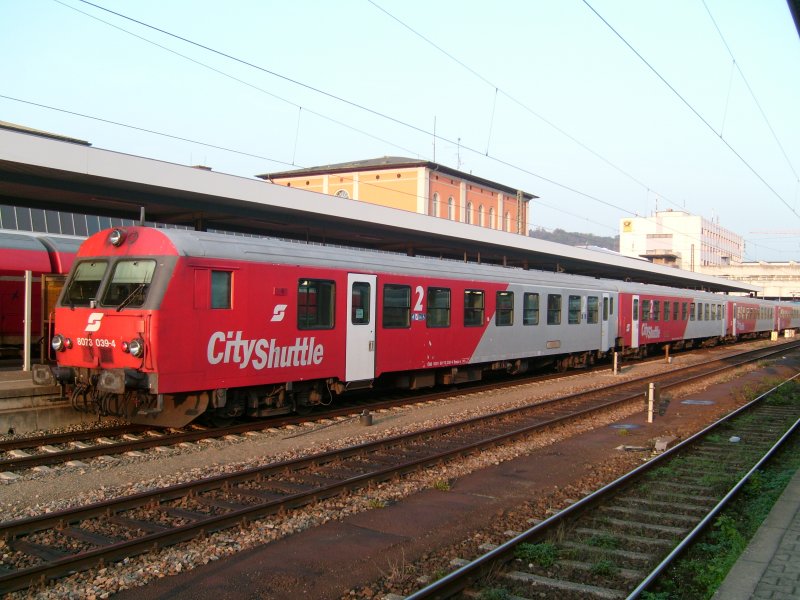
(279, 313)
(94, 322)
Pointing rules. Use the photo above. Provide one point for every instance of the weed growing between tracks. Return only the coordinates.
(702, 569)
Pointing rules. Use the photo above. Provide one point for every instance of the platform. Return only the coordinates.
(25, 407)
(770, 566)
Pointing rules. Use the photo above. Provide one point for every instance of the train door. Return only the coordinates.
(604, 342)
(635, 322)
(360, 356)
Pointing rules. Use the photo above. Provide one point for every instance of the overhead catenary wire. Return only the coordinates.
(372, 111)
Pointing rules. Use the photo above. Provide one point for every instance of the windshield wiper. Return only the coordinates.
(130, 296)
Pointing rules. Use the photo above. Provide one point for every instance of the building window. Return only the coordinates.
(433, 209)
(480, 215)
(468, 214)
(450, 208)
(507, 222)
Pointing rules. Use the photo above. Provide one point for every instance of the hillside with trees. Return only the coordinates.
(575, 239)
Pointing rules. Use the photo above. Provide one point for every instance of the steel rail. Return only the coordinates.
(25, 577)
(167, 439)
(456, 581)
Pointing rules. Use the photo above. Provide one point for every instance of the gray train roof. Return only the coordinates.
(42, 172)
(289, 252)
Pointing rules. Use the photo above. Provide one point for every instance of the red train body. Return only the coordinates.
(162, 326)
(42, 255)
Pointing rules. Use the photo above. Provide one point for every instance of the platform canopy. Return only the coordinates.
(39, 170)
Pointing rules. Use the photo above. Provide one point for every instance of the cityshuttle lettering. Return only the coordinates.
(651, 332)
(262, 354)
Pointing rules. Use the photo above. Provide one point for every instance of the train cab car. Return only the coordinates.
(162, 326)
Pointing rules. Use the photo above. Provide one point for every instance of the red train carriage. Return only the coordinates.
(165, 325)
(42, 255)
(162, 326)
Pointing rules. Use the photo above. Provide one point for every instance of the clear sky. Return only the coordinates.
(539, 95)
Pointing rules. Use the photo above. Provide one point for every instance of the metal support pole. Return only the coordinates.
(26, 350)
(616, 362)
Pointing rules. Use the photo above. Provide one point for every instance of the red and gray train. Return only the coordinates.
(163, 326)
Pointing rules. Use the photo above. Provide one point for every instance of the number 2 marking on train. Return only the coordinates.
(420, 295)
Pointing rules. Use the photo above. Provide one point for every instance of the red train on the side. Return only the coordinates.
(163, 326)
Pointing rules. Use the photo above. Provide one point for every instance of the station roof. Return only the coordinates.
(52, 172)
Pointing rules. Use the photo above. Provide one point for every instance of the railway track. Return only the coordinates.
(19, 454)
(37, 548)
(615, 543)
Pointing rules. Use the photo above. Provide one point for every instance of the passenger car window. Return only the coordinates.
(473, 308)
(530, 309)
(505, 309)
(438, 312)
(396, 306)
(315, 304)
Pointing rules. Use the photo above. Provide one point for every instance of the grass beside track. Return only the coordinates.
(699, 573)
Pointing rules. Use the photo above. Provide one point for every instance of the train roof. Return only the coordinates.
(196, 244)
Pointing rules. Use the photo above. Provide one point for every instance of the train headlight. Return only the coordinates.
(136, 347)
(116, 237)
(58, 343)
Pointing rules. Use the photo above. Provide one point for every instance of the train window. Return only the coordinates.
(574, 312)
(315, 304)
(605, 309)
(129, 283)
(554, 309)
(360, 300)
(221, 289)
(645, 310)
(713, 312)
(473, 308)
(82, 287)
(706, 311)
(505, 309)
(438, 307)
(691, 311)
(684, 311)
(675, 307)
(656, 314)
(611, 305)
(396, 306)
(666, 310)
(592, 309)
(530, 309)
(635, 309)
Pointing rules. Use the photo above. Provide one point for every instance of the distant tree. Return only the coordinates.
(575, 239)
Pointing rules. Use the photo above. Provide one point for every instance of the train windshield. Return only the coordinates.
(82, 289)
(129, 283)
